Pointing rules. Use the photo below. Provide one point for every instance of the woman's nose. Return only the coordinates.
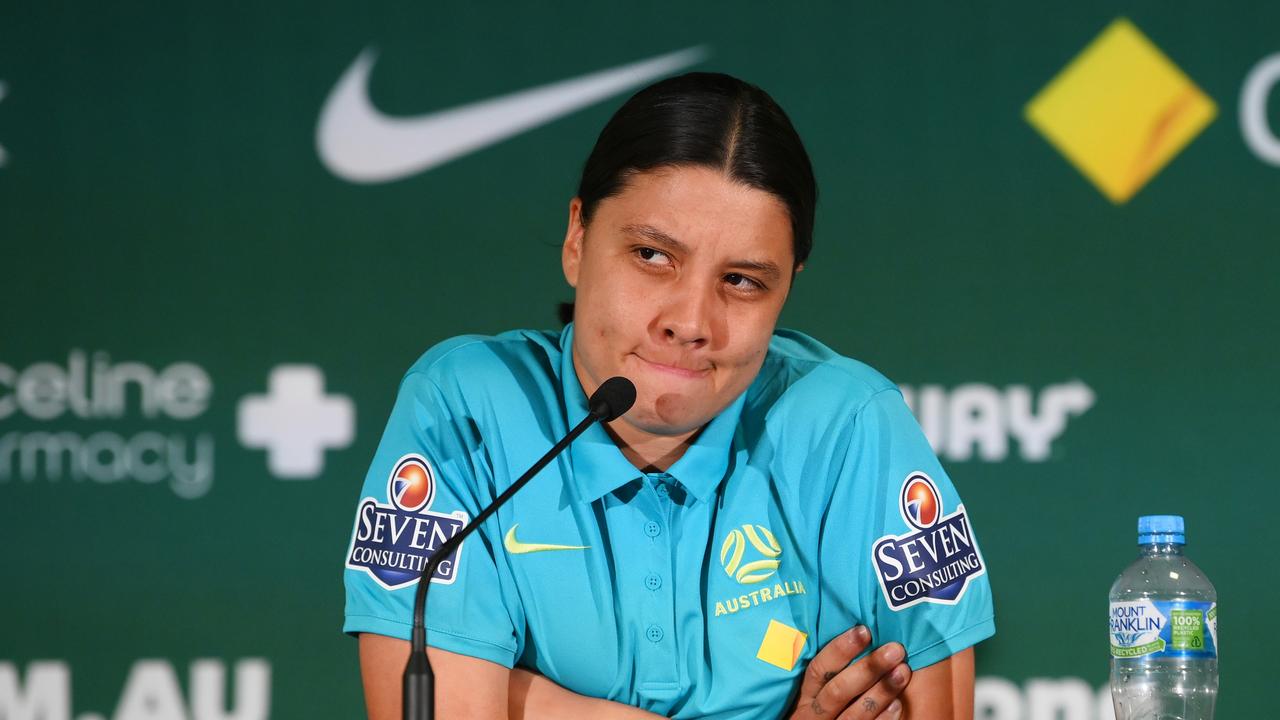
(686, 317)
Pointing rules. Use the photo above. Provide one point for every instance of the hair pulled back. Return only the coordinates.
(712, 120)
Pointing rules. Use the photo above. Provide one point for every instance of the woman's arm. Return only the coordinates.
(942, 690)
(534, 697)
(469, 688)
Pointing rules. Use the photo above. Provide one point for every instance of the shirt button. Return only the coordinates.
(652, 529)
(653, 582)
(662, 489)
(654, 633)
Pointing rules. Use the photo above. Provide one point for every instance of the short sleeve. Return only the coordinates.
(429, 476)
(921, 579)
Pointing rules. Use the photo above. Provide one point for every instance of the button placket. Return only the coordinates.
(659, 613)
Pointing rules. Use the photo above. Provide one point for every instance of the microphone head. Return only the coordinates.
(612, 399)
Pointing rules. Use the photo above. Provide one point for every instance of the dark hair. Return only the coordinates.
(707, 119)
(712, 120)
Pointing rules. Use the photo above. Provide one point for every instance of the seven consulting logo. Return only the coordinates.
(296, 421)
(359, 144)
(393, 541)
(920, 503)
(412, 485)
(1120, 111)
(935, 561)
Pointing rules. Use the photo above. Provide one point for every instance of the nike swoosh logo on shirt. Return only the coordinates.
(515, 547)
(360, 144)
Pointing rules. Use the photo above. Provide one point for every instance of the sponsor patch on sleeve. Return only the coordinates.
(935, 559)
(394, 541)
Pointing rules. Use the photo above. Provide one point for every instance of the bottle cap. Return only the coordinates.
(1160, 529)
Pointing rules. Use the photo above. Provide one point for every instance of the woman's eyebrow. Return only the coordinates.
(765, 268)
(658, 237)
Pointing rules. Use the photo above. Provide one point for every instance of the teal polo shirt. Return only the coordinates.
(811, 504)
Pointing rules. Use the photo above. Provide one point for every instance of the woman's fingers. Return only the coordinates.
(851, 682)
(832, 659)
(881, 701)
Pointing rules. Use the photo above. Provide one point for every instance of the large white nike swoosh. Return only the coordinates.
(358, 143)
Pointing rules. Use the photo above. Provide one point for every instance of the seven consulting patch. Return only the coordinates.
(394, 541)
(935, 561)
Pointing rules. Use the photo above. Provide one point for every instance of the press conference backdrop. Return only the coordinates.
(228, 229)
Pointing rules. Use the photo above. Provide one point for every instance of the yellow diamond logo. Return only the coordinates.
(781, 645)
(1120, 111)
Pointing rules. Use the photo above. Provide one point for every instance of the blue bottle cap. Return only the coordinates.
(1161, 529)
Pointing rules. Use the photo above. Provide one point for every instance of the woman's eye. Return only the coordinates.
(742, 282)
(654, 257)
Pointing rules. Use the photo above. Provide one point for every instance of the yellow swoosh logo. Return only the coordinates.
(515, 547)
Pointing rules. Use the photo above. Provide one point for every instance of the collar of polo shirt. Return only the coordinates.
(599, 467)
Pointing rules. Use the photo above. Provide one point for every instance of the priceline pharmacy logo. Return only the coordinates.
(92, 419)
(88, 392)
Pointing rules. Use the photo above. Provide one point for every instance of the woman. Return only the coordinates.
(723, 548)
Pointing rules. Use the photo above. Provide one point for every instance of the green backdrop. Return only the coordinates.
(172, 234)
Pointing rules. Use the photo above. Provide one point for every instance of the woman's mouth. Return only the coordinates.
(677, 371)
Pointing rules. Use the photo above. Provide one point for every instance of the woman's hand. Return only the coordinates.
(865, 690)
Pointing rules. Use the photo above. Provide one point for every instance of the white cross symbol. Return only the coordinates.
(296, 421)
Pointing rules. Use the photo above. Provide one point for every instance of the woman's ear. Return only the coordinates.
(571, 253)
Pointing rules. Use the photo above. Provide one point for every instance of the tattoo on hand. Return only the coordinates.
(816, 708)
(826, 678)
(869, 705)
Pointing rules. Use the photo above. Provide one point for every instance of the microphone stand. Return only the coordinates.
(419, 682)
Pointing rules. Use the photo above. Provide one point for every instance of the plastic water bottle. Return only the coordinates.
(1164, 630)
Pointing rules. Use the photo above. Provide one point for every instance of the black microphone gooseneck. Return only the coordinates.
(613, 398)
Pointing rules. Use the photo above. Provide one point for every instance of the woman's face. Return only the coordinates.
(679, 279)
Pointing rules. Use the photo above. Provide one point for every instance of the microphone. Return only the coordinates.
(610, 401)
